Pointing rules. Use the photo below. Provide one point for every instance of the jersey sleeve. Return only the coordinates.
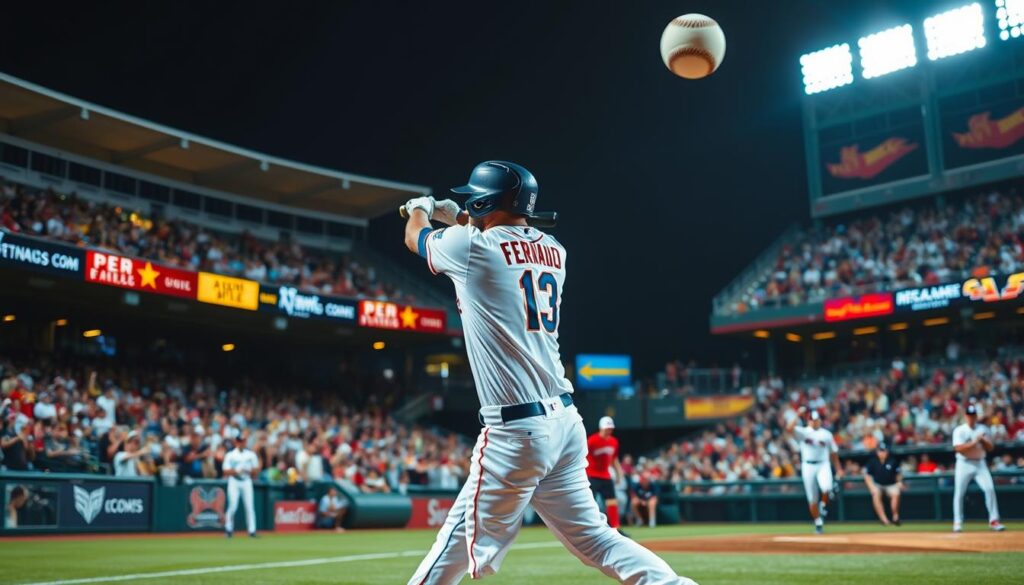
(229, 462)
(832, 446)
(800, 433)
(447, 251)
(959, 436)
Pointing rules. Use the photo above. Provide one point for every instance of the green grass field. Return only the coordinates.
(372, 557)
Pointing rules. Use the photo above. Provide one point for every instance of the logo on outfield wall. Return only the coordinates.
(207, 508)
(88, 504)
(854, 164)
(983, 132)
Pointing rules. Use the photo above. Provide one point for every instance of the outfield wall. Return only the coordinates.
(57, 503)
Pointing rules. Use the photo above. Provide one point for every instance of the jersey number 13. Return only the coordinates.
(535, 317)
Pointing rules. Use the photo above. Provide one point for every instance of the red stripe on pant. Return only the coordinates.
(476, 500)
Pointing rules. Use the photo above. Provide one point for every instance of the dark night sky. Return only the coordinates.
(666, 188)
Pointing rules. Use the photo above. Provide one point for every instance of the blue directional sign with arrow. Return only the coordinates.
(601, 372)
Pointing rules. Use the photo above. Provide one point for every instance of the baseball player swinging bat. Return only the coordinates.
(508, 277)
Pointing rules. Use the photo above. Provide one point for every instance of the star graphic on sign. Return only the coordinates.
(148, 275)
(409, 317)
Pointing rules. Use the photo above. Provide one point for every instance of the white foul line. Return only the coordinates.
(274, 565)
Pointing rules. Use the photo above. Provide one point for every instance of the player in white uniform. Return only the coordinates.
(532, 449)
(817, 451)
(971, 443)
(240, 467)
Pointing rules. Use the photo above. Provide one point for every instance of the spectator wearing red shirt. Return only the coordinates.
(927, 465)
(602, 454)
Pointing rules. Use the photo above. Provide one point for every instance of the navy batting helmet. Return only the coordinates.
(498, 184)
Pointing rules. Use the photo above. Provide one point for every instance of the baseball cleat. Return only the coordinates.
(822, 509)
(957, 528)
(252, 535)
(819, 529)
(996, 525)
(227, 534)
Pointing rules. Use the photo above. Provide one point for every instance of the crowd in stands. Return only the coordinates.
(130, 422)
(155, 423)
(178, 243)
(906, 407)
(918, 245)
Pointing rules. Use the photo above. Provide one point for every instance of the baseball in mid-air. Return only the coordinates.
(693, 46)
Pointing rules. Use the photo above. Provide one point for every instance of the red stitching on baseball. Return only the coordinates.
(694, 52)
(694, 22)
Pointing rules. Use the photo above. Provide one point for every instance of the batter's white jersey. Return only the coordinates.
(815, 445)
(508, 280)
(965, 434)
(243, 461)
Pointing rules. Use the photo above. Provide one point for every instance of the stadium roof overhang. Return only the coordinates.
(53, 119)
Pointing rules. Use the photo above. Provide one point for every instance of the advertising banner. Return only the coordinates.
(429, 512)
(295, 303)
(206, 508)
(100, 505)
(986, 289)
(853, 163)
(703, 407)
(596, 372)
(387, 315)
(981, 133)
(135, 274)
(861, 307)
(294, 516)
(33, 254)
(227, 291)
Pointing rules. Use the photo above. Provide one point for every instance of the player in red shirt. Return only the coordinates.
(602, 454)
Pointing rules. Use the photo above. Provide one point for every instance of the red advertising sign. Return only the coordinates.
(294, 516)
(854, 164)
(136, 274)
(429, 512)
(385, 315)
(862, 307)
(984, 132)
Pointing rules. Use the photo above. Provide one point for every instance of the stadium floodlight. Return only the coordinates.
(955, 31)
(1010, 14)
(827, 69)
(887, 51)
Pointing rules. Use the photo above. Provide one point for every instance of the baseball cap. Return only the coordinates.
(815, 415)
(971, 409)
(606, 422)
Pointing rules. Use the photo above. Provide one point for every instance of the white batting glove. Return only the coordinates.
(446, 211)
(424, 203)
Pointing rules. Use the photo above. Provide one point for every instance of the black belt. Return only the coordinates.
(812, 462)
(521, 411)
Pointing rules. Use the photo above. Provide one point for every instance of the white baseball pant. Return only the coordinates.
(977, 470)
(817, 480)
(541, 461)
(240, 487)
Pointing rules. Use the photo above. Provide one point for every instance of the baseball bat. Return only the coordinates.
(544, 219)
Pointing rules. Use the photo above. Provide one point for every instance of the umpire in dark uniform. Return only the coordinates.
(883, 478)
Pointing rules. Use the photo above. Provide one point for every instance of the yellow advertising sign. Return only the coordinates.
(698, 407)
(229, 292)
